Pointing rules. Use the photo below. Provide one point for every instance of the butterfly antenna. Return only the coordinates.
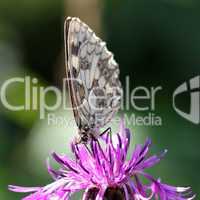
(104, 132)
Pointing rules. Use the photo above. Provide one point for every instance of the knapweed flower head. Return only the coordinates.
(104, 173)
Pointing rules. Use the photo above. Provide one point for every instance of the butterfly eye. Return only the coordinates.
(86, 128)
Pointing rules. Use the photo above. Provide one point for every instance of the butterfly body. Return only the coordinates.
(93, 78)
(85, 135)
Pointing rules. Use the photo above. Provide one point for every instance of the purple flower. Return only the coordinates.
(103, 172)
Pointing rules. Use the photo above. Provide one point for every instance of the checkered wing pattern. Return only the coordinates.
(93, 76)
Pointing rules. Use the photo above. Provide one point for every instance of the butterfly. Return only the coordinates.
(93, 79)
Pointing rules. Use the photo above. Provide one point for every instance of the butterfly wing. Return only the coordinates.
(93, 76)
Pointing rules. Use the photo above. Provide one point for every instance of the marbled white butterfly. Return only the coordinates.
(93, 79)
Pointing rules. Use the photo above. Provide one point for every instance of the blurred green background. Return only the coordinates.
(155, 43)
